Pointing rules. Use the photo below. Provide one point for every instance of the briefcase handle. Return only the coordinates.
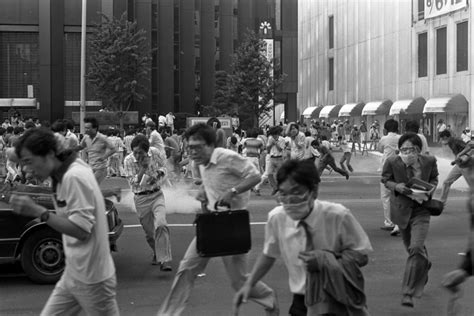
(221, 204)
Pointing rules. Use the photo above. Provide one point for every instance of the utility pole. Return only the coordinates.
(82, 109)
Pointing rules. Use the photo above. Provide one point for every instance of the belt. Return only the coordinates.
(148, 192)
(276, 156)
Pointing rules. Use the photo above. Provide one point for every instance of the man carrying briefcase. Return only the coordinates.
(227, 178)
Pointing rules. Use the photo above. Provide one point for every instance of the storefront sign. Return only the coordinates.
(434, 8)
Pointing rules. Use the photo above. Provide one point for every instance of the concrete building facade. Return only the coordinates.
(369, 50)
(40, 49)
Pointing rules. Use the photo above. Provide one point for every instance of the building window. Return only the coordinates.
(441, 49)
(462, 46)
(331, 74)
(331, 31)
(421, 10)
(422, 55)
(19, 62)
(72, 67)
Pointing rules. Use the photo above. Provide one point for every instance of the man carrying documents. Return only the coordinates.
(402, 174)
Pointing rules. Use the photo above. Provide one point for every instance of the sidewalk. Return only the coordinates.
(444, 158)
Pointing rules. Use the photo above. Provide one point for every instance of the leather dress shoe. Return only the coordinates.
(407, 301)
(165, 267)
(388, 228)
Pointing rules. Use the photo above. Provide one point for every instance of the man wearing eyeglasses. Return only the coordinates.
(227, 179)
(408, 212)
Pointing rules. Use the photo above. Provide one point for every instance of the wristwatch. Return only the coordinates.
(44, 216)
(234, 190)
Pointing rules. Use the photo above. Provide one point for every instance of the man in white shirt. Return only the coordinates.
(304, 231)
(88, 281)
(275, 150)
(297, 142)
(227, 178)
(388, 146)
(170, 121)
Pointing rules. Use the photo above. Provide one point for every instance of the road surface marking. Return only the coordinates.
(185, 225)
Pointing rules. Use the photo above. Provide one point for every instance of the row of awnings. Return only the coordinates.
(448, 104)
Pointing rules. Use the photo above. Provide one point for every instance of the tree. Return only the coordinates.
(119, 63)
(253, 80)
(222, 103)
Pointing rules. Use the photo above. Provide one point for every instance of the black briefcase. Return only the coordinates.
(223, 233)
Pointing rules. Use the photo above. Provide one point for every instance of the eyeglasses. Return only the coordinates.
(196, 148)
(292, 198)
(408, 150)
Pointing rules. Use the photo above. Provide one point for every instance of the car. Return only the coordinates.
(38, 247)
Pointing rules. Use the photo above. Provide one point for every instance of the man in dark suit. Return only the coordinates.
(409, 214)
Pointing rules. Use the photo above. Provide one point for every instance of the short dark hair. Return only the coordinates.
(213, 120)
(202, 131)
(58, 126)
(412, 137)
(445, 134)
(29, 125)
(38, 140)
(93, 121)
(69, 124)
(140, 141)
(275, 130)
(303, 172)
(253, 132)
(412, 126)
(18, 130)
(391, 126)
(151, 125)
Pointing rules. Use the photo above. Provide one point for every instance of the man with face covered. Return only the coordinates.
(145, 169)
(315, 239)
(226, 178)
(410, 215)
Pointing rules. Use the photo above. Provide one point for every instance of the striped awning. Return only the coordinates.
(308, 111)
(377, 107)
(351, 109)
(330, 111)
(448, 104)
(409, 106)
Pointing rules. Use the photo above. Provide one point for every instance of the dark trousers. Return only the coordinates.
(298, 308)
(332, 163)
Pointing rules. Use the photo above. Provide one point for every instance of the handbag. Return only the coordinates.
(223, 233)
(435, 207)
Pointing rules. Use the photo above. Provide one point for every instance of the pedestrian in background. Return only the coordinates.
(97, 148)
(327, 159)
(388, 146)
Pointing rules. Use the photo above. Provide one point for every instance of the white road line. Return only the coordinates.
(185, 225)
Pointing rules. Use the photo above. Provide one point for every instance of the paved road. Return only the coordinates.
(142, 286)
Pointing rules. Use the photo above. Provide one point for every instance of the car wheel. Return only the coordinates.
(42, 256)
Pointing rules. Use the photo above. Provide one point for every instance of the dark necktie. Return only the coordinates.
(410, 172)
(309, 238)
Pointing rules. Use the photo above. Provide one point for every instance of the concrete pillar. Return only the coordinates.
(51, 48)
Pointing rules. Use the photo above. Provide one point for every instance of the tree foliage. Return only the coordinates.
(222, 103)
(252, 79)
(119, 62)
